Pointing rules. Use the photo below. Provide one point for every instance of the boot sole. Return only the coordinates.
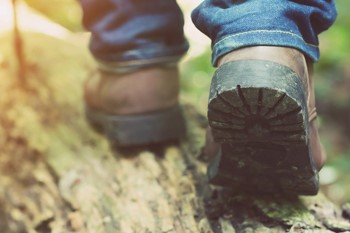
(137, 130)
(258, 113)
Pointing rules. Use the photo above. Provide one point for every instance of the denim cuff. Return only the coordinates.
(142, 57)
(264, 37)
(130, 66)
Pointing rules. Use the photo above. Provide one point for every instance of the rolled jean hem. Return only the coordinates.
(263, 37)
(129, 66)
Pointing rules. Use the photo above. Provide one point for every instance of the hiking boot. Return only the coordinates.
(262, 114)
(136, 108)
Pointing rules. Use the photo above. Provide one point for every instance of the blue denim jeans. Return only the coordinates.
(128, 34)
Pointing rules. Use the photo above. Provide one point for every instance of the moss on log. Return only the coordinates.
(58, 175)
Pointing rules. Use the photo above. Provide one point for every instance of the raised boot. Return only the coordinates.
(261, 112)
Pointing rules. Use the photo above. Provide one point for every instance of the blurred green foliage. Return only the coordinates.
(332, 70)
(332, 85)
(195, 80)
(335, 43)
(64, 12)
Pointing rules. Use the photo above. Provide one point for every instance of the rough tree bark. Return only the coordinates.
(58, 175)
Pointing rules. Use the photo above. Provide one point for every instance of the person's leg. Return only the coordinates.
(137, 45)
(133, 33)
(289, 23)
(258, 113)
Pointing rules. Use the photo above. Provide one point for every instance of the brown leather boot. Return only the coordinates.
(136, 108)
(141, 91)
(262, 116)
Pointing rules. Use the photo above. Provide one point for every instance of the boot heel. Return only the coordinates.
(258, 113)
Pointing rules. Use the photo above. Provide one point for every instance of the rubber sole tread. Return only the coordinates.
(137, 130)
(258, 113)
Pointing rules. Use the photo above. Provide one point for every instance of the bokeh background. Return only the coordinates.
(332, 78)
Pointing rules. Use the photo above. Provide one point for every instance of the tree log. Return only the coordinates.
(58, 175)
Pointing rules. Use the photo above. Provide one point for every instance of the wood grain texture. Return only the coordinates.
(58, 175)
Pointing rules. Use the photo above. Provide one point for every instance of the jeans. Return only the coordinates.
(129, 34)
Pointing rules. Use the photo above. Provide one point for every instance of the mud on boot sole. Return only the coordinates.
(258, 113)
